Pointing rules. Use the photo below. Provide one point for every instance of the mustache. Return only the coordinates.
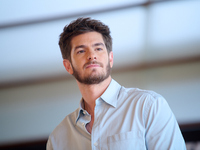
(92, 62)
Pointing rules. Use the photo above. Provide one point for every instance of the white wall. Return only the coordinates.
(33, 111)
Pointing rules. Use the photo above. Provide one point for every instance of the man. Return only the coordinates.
(110, 116)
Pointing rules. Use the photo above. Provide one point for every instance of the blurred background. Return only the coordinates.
(156, 45)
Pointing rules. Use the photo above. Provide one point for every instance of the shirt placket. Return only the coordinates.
(83, 120)
(96, 131)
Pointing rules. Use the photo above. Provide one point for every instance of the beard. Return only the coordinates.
(92, 78)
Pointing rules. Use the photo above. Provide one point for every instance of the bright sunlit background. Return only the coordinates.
(156, 46)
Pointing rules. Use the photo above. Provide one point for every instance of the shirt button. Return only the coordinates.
(83, 124)
(95, 144)
(84, 112)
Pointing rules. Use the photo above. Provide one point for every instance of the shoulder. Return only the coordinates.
(141, 95)
(147, 100)
(61, 135)
(64, 126)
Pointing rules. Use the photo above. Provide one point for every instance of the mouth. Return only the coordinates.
(92, 64)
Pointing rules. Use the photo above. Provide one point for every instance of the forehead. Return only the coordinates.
(86, 39)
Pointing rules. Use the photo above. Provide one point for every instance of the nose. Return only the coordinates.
(91, 56)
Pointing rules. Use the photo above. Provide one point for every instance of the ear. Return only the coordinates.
(111, 59)
(68, 66)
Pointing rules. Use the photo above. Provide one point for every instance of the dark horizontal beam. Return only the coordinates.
(72, 15)
(29, 145)
(191, 132)
(141, 66)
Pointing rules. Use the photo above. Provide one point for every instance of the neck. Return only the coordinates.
(91, 92)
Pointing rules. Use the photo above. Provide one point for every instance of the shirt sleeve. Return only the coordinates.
(49, 145)
(162, 130)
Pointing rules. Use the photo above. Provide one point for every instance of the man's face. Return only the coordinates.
(90, 62)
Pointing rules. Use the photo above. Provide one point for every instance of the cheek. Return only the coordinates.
(77, 64)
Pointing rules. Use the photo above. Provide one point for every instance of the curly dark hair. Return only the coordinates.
(80, 26)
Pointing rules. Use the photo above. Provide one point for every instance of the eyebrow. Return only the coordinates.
(94, 45)
(79, 46)
(98, 44)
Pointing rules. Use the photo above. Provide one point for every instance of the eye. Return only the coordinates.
(99, 49)
(80, 51)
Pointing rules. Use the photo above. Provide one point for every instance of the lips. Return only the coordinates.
(92, 64)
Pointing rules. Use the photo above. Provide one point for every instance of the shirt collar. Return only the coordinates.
(80, 110)
(111, 94)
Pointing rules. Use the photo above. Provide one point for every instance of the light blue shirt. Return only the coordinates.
(125, 119)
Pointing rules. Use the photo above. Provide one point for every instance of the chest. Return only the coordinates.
(117, 128)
